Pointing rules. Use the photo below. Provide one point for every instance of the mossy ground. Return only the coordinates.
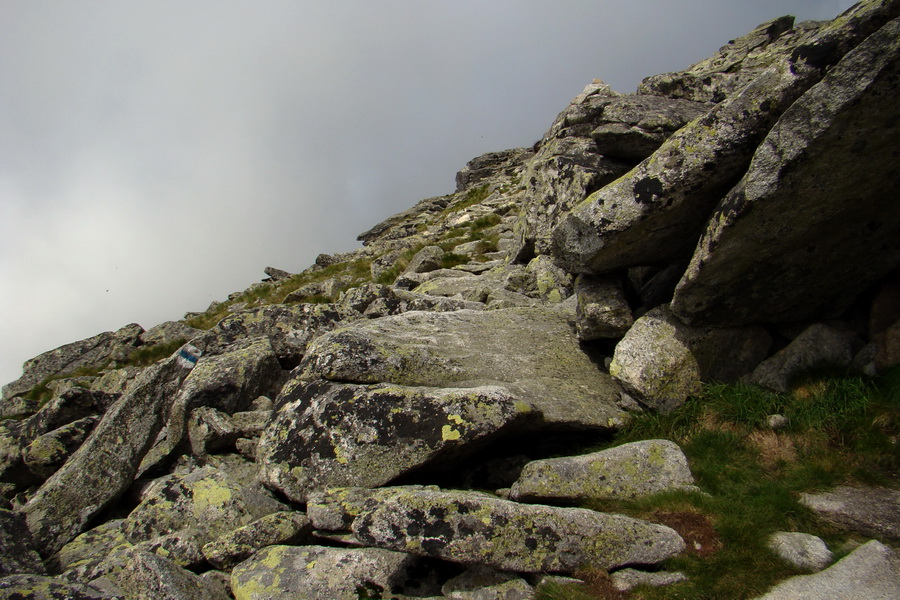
(840, 430)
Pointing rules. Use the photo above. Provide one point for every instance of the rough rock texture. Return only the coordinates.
(820, 346)
(602, 310)
(624, 472)
(784, 244)
(352, 435)
(286, 527)
(95, 351)
(658, 210)
(664, 361)
(37, 587)
(532, 352)
(627, 579)
(474, 528)
(872, 571)
(801, 550)
(104, 466)
(152, 577)
(870, 511)
(16, 552)
(290, 572)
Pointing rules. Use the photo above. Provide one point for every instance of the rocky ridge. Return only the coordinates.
(333, 433)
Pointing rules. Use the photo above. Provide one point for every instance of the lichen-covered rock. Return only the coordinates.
(533, 352)
(289, 327)
(658, 211)
(280, 528)
(871, 511)
(291, 572)
(473, 528)
(806, 229)
(735, 64)
(483, 583)
(490, 165)
(205, 500)
(228, 381)
(182, 547)
(93, 352)
(602, 311)
(633, 127)
(47, 453)
(427, 259)
(628, 579)
(149, 576)
(567, 167)
(16, 552)
(335, 508)
(663, 361)
(210, 430)
(328, 435)
(819, 346)
(39, 587)
(872, 571)
(624, 472)
(551, 283)
(105, 464)
(800, 550)
(82, 559)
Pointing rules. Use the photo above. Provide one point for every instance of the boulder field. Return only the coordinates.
(415, 418)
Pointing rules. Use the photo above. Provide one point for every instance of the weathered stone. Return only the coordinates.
(490, 165)
(290, 572)
(533, 352)
(205, 500)
(93, 352)
(472, 528)
(664, 361)
(659, 209)
(514, 589)
(427, 259)
(50, 451)
(275, 529)
(627, 579)
(181, 547)
(288, 327)
(633, 127)
(210, 430)
(229, 382)
(887, 348)
(806, 229)
(819, 346)
(624, 472)
(39, 587)
(169, 332)
(16, 552)
(801, 550)
(734, 65)
(334, 509)
(149, 576)
(474, 578)
(328, 435)
(872, 571)
(602, 311)
(551, 283)
(82, 559)
(567, 167)
(105, 465)
(871, 511)
(276, 274)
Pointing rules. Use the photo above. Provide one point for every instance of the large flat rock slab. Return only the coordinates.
(532, 352)
(328, 434)
(870, 511)
(815, 220)
(474, 528)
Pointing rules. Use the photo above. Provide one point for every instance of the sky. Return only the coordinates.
(157, 156)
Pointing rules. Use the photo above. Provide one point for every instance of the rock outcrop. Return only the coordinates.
(421, 417)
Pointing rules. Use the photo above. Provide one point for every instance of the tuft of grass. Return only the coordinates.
(450, 260)
(149, 354)
(841, 430)
(473, 196)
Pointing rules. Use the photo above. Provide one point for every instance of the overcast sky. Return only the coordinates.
(156, 156)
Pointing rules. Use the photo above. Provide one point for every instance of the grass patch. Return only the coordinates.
(42, 392)
(359, 271)
(149, 354)
(840, 430)
(472, 197)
